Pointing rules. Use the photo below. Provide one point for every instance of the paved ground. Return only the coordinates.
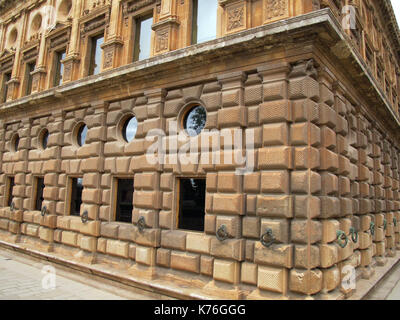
(388, 288)
(25, 278)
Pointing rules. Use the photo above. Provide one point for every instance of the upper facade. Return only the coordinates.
(48, 43)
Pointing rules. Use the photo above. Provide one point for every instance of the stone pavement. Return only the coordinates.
(23, 277)
(388, 288)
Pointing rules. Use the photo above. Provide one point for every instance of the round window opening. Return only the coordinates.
(129, 129)
(45, 139)
(15, 143)
(82, 132)
(195, 120)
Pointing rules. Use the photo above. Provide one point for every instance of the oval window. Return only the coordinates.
(82, 132)
(129, 129)
(195, 120)
(45, 139)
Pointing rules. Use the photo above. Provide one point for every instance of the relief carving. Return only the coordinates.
(108, 57)
(162, 40)
(275, 9)
(235, 17)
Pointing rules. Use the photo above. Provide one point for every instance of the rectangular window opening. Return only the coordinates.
(10, 185)
(124, 205)
(192, 198)
(39, 193)
(30, 67)
(143, 38)
(59, 67)
(204, 20)
(95, 55)
(76, 196)
(7, 77)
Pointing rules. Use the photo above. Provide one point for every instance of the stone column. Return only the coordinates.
(71, 61)
(166, 30)
(113, 45)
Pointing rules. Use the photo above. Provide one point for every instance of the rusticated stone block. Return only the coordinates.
(228, 204)
(331, 279)
(275, 181)
(329, 184)
(226, 271)
(305, 134)
(206, 265)
(366, 257)
(117, 248)
(306, 258)
(198, 243)
(234, 116)
(305, 182)
(306, 158)
(46, 234)
(233, 225)
(163, 257)
(148, 237)
(276, 111)
(88, 243)
(229, 182)
(251, 227)
(305, 281)
(173, 239)
(275, 206)
(275, 158)
(280, 255)
(275, 134)
(279, 227)
(230, 248)
(145, 255)
(109, 230)
(272, 279)
(249, 273)
(307, 207)
(185, 261)
(251, 182)
(329, 255)
(329, 230)
(303, 231)
(69, 238)
(329, 160)
(91, 228)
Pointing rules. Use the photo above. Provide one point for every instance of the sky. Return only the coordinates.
(396, 7)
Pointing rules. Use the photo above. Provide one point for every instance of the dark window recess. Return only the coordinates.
(59, 68)
(11, 184)
(30, 67)
(39, 193)
(124, 200)
(76, 196)
(95, 55)
(192, 198)
(7, 77)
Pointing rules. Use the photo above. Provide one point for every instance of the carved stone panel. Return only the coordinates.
(274, 10)
(162, 40)
(235, 17)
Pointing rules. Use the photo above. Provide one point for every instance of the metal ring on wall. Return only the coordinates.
(372, 228)
(384, 224)
(342, 238)
(141, 223)
(85, 216)
(222, 233)
(43, 211)
(267, 238)
(354, 234)
(12, 206)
